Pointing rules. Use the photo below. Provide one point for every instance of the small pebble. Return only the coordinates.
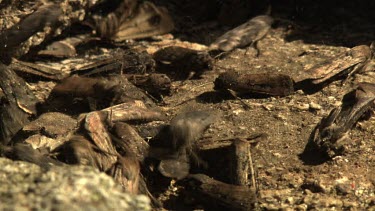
(315, 106)
(302, 106)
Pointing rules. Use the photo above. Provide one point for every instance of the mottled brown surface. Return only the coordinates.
(285, 177)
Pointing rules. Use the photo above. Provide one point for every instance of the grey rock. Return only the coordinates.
(25, 186)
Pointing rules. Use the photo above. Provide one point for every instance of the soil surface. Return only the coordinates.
(287, 179)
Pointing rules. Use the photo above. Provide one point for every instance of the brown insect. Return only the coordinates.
(189, 63)
(244, 35)
(264, 84)
(184, 131)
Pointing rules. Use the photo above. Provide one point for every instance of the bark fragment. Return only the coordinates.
(147, 20)
(17, 105)
(331, 134)
(230, 196)
(345, 64)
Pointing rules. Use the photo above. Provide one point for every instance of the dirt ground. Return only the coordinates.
(287, 179)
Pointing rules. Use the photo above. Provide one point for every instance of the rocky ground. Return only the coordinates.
(287, 178)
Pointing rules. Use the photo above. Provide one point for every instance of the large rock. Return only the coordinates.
(25, 186)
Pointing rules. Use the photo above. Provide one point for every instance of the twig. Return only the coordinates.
(247, 106)
(252, 172)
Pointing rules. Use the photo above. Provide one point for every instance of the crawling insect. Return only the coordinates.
(186, 129)
(244, 35)
(182, 63)
(25, 152)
